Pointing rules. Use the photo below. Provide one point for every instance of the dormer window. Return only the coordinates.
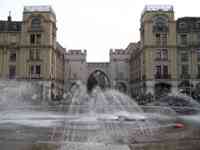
(198, 25)
(182, 25)
(198, 37)
(36, 24)
(183, 39)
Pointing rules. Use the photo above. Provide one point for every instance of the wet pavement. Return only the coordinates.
(45, 130)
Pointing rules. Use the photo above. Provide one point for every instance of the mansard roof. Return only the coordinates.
(188, 19)
(10, 26)
(188, 24)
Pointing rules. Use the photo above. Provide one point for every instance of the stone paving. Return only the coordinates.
(187, 139)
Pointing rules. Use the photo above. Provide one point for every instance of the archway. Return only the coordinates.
(162, 89)
(98, 78)
(185, 87)
(121, 87)
(196, 92)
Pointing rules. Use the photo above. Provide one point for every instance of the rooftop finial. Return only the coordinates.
(9, 17)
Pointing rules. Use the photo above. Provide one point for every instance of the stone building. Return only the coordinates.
(119, 69)
(136, 79)
(112, 74)
(75, 68)
(157, 50)
(29, 50)
(166, 59)
(188, 51)
(167, 56)
(153, 59)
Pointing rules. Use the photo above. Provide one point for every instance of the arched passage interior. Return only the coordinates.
(98, 78)
(162, 89)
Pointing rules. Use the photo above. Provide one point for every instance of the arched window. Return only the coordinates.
(160, 24)
(36, 24)
(98, 78)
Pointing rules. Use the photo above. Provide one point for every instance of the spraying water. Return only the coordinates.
(102, 119)
(16, 94)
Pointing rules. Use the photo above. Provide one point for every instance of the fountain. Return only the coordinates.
(100, 120)
(13, 94)
(180, 103)
(104, 119)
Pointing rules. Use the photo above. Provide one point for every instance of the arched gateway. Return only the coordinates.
(98, 78)
(113, 74)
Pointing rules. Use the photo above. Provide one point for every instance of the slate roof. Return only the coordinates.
(10, 26)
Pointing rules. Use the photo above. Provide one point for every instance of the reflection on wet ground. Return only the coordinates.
(101, 120)
(43, 130)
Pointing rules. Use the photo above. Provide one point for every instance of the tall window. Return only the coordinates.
(185, 69)
(198, 25)
(183, 39)
(162, 72)
(32, 69)
(161, 39)
(165, 54)
(158, 54)
(35, 38)
(32, 38)
(38, 38)
(184, 57)
(198, 70)
(35, 71)
(182, 25)
(162, 54)
(158, 70)
(165, 70)
(198, 37)
(198, 55)
(12, 71)
(158, 39)
(13, 56)
(36, 24)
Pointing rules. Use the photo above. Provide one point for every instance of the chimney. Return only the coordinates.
(9, 17)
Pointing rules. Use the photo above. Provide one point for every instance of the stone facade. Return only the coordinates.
(166, 57)
(75, 68)
(188, 50)
(119, 69)
(29, 50)
(157, 50)
(115, 73)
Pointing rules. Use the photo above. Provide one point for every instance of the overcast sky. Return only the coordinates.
(97, 25)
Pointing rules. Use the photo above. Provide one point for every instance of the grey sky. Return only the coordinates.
(97, 25)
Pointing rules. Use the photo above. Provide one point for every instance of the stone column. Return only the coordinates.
(150, 87)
